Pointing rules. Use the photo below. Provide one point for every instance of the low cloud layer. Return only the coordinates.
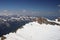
(29, 12)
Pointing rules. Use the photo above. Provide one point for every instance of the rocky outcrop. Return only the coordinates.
(44, 20)
(2, 38)
(59, 19)
(41, 20)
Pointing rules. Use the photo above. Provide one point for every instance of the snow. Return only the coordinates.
(0, 38)
(36, 31)
(56, 21)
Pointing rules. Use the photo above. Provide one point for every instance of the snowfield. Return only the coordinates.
(35, 31)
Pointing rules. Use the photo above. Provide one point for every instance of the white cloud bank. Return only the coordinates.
(36, 31)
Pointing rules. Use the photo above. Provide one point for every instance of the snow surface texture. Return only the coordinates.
(36, 31)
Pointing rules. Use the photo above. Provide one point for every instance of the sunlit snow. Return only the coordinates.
(36, 31)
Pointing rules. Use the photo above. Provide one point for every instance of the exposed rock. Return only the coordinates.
(2, 38)
(44, 20)
(59, 19)
(53, 23)
(41, 20)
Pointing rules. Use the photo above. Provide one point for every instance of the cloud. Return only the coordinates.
(59, 11)
(24, 11)
(6, 12)
(58, 5)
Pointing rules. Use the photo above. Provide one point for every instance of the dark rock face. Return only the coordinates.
(11, 26)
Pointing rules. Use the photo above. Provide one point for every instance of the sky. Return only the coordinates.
(48, 8)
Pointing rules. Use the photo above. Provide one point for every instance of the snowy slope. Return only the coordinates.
(35, 31)
(56, 21)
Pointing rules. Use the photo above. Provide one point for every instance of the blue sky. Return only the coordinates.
(29, 4)
(31, 7)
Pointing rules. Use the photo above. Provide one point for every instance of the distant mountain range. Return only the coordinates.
(13, 22)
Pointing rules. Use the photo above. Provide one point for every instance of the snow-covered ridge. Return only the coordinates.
(35, 31)
(13, 23)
